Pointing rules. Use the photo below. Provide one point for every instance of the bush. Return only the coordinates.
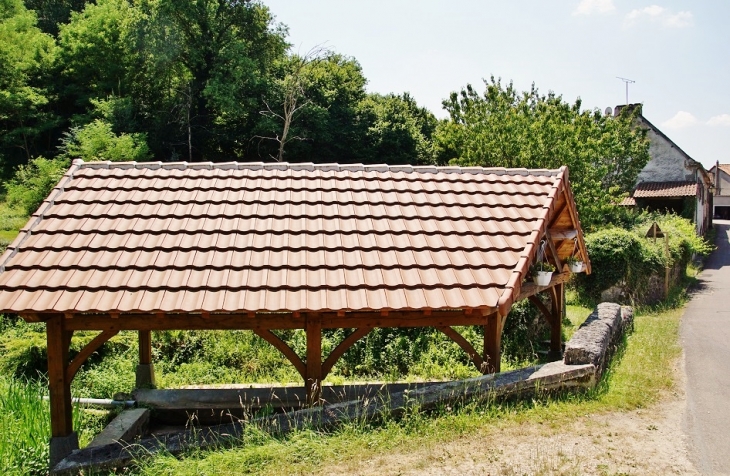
(626, 258)
(33, 182)
(97, 141)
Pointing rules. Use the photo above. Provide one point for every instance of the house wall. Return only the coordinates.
(724, 183)
(667, 164)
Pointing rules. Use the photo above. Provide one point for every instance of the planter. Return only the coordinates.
(542, 278)
(577, 267)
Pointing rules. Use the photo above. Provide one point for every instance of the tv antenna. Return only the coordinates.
(627, 81)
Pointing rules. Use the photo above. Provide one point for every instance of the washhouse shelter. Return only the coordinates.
(153, 246)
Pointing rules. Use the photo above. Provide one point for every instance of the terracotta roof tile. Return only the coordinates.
(665, 189)
(275, 237)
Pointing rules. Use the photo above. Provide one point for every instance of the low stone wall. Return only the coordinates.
(598, 337)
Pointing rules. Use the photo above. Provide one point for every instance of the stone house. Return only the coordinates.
(672, 180)
(721, 197)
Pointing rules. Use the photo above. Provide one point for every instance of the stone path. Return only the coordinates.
(705, 337)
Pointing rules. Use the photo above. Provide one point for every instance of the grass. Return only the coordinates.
(639, 375)
(25, 426)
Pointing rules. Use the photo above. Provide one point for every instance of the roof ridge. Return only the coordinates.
(310, 166)
(36, 217)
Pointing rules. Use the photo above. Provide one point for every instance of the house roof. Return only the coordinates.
(255, 237)
(627, 202)
(665, 189)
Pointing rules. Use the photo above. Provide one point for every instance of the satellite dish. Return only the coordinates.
(609, 111)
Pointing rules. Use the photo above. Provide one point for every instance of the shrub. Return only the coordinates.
(626, 258)
(97, 141)
(33, 182)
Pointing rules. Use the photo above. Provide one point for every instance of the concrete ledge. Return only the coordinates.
(591, 342)
(125, 427)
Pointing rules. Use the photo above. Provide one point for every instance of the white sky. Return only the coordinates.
(678, 52)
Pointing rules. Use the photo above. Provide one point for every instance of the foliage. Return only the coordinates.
(629, 259)
(96, 141)
(504, 128)
(399, 131)
(27, 57)
(33, 182)
(25, 426)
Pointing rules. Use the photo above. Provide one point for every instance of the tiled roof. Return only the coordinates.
(178, 237)
(725, 168)
(627, 202)
(665, 189)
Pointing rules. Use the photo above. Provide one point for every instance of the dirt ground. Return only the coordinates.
(640, 442)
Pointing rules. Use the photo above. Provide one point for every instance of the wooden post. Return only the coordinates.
(63, 439)
(145, 369)
(556, 327)
(313, 381)
(493, 343)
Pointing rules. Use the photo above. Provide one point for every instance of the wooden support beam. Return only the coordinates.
(557, 298)
(493, 344)
(546, 313)
(145, 347)
(59, 387)
(86, 352)
(250, 321)
(276, 341)
(343, 347)
(313, 379)
(63, 438)
(145, 374)
(530, 289)
(466, 346)
(563, 234)
(554, 252)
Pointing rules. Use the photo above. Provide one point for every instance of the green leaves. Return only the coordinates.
(504, 128)
(33, 182)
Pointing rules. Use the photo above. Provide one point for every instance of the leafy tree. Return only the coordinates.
(329, 125)
(26, 59)
(97, 141)
(94, 52)
(198, 71)
(399, 131)
(53, 13)
(504, 128)
(32, 183)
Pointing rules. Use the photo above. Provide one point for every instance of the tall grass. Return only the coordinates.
(24, 427)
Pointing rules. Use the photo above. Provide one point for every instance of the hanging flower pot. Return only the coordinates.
(577, 266)
(542, 278)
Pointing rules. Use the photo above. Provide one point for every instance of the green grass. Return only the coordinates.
(639, 375)
(25, 422)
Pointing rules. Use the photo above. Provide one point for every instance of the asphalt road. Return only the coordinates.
(705, 337)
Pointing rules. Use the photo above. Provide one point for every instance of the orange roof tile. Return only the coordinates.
(665, 189)
(177, 237)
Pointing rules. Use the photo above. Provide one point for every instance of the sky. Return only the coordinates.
(677, 52)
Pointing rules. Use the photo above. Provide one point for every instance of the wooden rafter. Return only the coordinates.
(276, 341)
(343, 347)
(464, 344)
(86, 352)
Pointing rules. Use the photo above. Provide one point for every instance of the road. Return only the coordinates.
(705, 337)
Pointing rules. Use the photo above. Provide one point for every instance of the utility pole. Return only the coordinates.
(627, 81)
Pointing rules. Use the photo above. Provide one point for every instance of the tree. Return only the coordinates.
(26, 59)
(399, 131)
(504, 128)
(199, 70)
(32, 183)
(292, 93)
